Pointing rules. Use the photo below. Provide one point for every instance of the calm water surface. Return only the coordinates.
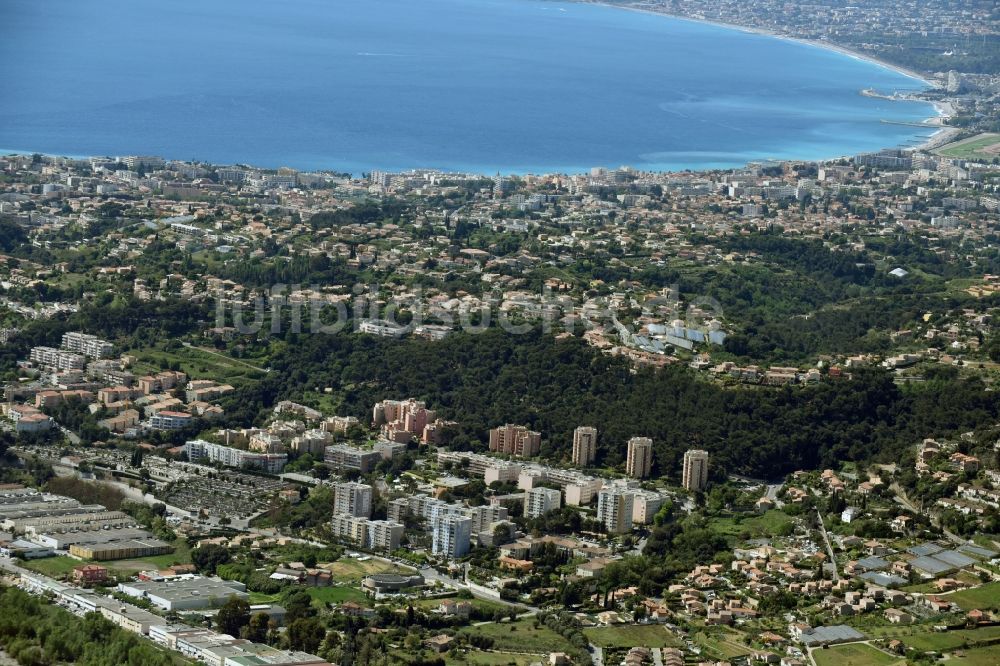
(483, 85)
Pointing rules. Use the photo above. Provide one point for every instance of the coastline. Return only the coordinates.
(940, 134)
(829, 46)
(943, 110)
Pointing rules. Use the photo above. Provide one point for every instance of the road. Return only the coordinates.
(431, 574)
(73, 438)
(900, 496)
(829, 548)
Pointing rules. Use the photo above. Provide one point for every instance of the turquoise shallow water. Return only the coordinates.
(481, 85)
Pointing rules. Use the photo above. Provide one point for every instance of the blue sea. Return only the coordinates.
(479, 85)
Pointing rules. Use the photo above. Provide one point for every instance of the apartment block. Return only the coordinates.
(639, 461)
(53, 398)
(402, 420)
(491, 469)
(88, 345)
(350, 528)
(451, 536)
(199, 449)
(384, 535)
(342, 456)
(645, 504)
(515, 440)
(695, 472)
(584, 446)
(28, 419)
(168, 420)
(161, 382)
(483, 517)
(313, 442)
(56, 359)
(579, 489)
(265, 442)
(206, 391)
(614, 510)
(352, 498)
(541, 501)
(339, 425)
(112, 394)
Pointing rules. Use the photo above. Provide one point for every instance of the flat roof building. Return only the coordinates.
(614, 510)
(695, 473)
(515, 440)
(451, 536)
(541, 501)
(352, 498)
(639, 461)
(584, 446)
(342, 456)
(186, 593)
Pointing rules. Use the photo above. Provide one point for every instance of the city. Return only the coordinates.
(728, 416)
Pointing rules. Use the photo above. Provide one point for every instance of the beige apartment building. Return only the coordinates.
(584, 445)
(515, 440)
(639, 461)
(695, 474)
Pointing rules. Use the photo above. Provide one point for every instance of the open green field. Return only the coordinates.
(855, 654)
(721, 643)
(480, 658)
(982, 597)
(55, 567)
(630, 636)
(987, 656)
(350, 570)
(480, 604)
(972, 148)
(521, 636)
(338, 595)
(774, 522)
(196, 363)
(261, 598)
(941, 641)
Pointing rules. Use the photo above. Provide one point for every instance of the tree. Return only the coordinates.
(298, 604)
(233, 616)
(256, 630)
(208, 557)
(306, 634)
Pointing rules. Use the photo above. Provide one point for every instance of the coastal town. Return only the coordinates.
(142, 489)
(958, 40)
(728, 417)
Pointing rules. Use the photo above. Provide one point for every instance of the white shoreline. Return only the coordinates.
(943, 110)
(829, 46)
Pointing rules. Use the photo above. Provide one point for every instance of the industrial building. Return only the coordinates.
(186, 592)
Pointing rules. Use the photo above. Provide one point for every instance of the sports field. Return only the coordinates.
(980, 147)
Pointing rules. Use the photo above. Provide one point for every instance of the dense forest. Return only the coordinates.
(555, 385)
(34, 632)
(130, 322)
